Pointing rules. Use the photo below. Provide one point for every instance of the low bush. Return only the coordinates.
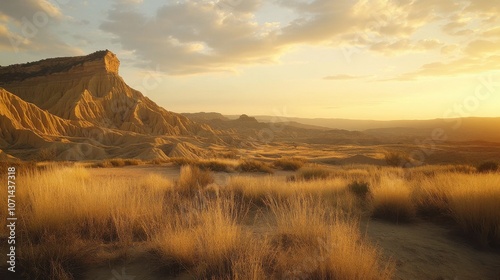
(254, 166)
(488, 166)
(359, 188)
(397, 159)
(288, 164)
(314, 172)
(392, 201)
(192, 179)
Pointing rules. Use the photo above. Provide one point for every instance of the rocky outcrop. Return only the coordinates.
(89, 89)
(80, 108)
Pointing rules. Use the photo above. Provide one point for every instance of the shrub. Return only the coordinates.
(392, 201)
(192, 179)
(254, 166)
(289, 164)
(314, 172)
(488, 166)
(359, 188)
(205, 243)
(397, 159)
(132, 162)
(215, 165)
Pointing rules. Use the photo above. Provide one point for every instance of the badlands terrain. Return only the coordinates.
(112, 186)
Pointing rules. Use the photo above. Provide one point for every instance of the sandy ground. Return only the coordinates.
(425, 250)
(421, 250)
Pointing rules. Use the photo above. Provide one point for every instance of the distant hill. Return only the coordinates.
(464, 129)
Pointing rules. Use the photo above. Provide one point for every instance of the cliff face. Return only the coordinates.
(68, 97)
(88, 88)
(98, 62)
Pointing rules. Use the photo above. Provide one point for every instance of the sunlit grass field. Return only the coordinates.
(305, 226)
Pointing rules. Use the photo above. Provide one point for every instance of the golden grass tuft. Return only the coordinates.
(204, 243)
(289, 164)
(392, 200)
(254, 166)
(313, 172)
(192, 179)
(258, 189)
(473, 202)
(316, 242)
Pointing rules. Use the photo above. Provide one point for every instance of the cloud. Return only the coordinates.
(28, 26)
(193, 36)
(405, 46)
(478, 56)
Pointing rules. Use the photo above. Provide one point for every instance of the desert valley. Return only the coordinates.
(109, 185)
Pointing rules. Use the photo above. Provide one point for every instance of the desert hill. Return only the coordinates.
(89, 89)
(249, 128)
(455, 129)
(80, 108)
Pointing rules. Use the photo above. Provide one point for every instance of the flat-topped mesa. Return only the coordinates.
(97, 62)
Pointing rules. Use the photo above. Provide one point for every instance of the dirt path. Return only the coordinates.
(428, 251)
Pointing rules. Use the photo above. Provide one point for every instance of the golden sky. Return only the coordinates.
(319, 58)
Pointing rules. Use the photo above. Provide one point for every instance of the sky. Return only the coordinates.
(376, 59)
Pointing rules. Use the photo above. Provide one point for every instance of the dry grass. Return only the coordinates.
(192, 179)
(472, 200)
(310, 230)
(116, 162)
(392, 200)
(313, 172)
(66, 212)
(290, 164)
(225, 165)
(204, 243)
(254, 166)
(259, 189)
(316, 242)
(109, 208)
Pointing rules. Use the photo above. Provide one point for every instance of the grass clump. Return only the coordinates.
(192, 179)
(254, 166)
(313, 172)
(288, 164)
(314, 241)
(392, 200)
(359, 188)
(205, 243)
(397, 159)
(488, 166)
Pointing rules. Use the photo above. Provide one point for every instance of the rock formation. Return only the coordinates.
(74, 105)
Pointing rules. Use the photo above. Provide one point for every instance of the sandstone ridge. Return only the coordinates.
(73, 105)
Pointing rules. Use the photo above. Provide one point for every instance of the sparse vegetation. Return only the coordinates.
(397, 159)
(192, 179)
(254, 166)
(392, 200)
(360, 188)
(116, 162)
(488, 166)
(289, 164)
(313, 172)
(252, 228)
